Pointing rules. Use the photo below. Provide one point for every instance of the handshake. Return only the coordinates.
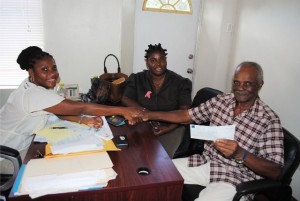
(135, 115)
(142, 115)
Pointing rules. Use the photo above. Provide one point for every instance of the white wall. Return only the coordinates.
(214, 44)
(266, 32)
(79, 34)
(127, 36)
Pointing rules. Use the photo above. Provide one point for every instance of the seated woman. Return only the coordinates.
(29, 106)
(159, 89)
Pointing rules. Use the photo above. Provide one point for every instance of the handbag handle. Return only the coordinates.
(105, 69)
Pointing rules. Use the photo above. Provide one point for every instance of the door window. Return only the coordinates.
(173, 6)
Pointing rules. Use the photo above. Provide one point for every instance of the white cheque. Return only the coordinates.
(212, 132)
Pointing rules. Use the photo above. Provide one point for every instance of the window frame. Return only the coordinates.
(169, 3)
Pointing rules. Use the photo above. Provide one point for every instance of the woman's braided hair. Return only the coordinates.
(153, 48)
(29, 56)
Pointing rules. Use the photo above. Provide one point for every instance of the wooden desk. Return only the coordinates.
(163, 184)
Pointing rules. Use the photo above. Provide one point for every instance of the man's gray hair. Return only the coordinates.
(260, 73)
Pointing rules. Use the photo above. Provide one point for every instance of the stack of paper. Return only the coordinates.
(67, 137)
(77, 143)
(108, 146)
(65, 174)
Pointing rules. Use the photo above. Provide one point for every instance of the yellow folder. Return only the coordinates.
(108, 146)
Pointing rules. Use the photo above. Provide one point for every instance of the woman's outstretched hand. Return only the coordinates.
(94, 122)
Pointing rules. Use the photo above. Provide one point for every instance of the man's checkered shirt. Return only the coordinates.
(258, 130)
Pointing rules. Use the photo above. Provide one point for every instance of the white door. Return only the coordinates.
(176, 32)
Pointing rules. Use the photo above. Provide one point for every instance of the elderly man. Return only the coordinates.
(257, 148)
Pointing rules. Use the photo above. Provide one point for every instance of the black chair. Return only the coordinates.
(7, 180)
(193, 146)
(279, 190)
(205, 94)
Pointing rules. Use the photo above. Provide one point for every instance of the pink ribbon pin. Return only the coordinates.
(148, 94)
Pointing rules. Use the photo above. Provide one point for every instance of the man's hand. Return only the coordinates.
(133, 115)
(145, 116)
(229, 148)
(162, 130)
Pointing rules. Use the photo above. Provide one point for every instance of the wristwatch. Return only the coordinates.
(244, 155)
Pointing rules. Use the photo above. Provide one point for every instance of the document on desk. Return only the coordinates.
(68, 137)
(77, 143)
(60, 130)
(108, 146)
(67, 174)
(212, 132)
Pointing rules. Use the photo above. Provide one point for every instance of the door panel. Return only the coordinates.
(176, 32)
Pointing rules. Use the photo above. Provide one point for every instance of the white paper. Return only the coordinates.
(78, 143)
(212, 132)
(74, 137)
(66, 174)
(103, 133)
(46, 184)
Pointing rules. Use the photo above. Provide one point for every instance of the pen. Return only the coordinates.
(57, 127)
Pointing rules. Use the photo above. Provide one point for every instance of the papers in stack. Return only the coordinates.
(108, 146)
(67, 137)
(77, 143)
(65, 174)
(212, 132)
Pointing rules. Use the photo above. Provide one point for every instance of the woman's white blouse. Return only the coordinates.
(24, 114)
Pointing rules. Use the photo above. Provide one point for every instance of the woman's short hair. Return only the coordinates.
(154, 48)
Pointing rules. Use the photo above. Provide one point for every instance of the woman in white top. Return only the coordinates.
(29, 106)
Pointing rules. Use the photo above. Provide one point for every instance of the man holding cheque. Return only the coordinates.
(257, 148)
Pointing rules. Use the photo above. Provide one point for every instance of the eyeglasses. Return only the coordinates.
(244, 84)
